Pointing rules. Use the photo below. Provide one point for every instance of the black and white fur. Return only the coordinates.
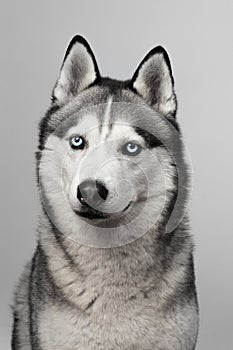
(136, 296)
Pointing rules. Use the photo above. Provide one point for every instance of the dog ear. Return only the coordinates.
(79, 70)
(153, 81)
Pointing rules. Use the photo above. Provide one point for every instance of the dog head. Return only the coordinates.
(108, 150)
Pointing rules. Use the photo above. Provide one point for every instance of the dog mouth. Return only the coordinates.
(93, 214)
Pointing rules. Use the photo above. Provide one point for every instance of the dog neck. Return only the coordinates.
(76, 268)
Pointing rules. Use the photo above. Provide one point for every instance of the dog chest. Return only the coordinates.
(132, 325)
(98, 327)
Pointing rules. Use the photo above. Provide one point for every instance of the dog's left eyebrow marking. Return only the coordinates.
(71, 121)
(106, 121)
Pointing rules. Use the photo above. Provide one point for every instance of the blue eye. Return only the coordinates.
(131, 148)
(77, 142)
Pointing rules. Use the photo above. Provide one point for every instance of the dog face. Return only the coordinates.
(108, 149)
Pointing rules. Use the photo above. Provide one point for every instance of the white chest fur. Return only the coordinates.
(135, 325)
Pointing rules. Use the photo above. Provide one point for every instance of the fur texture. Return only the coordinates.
(122, 281)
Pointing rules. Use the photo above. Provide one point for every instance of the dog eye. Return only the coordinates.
(131, 148)
(77, 142)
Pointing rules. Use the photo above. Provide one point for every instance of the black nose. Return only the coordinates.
(92, 193)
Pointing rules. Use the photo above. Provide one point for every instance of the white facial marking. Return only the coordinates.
(132, 182)
(106, 122)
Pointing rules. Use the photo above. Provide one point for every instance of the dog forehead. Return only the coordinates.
(110, 118)
(95, 133)
(113, 118)
(122, 130)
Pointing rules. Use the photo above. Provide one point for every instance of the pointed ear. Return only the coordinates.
(153, 81)
(79, 70)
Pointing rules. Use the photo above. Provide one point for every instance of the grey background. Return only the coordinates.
(198, 36)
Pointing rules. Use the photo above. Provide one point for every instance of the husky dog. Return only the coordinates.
(113, 268)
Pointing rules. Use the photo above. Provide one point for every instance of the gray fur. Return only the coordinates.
(138, 296)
